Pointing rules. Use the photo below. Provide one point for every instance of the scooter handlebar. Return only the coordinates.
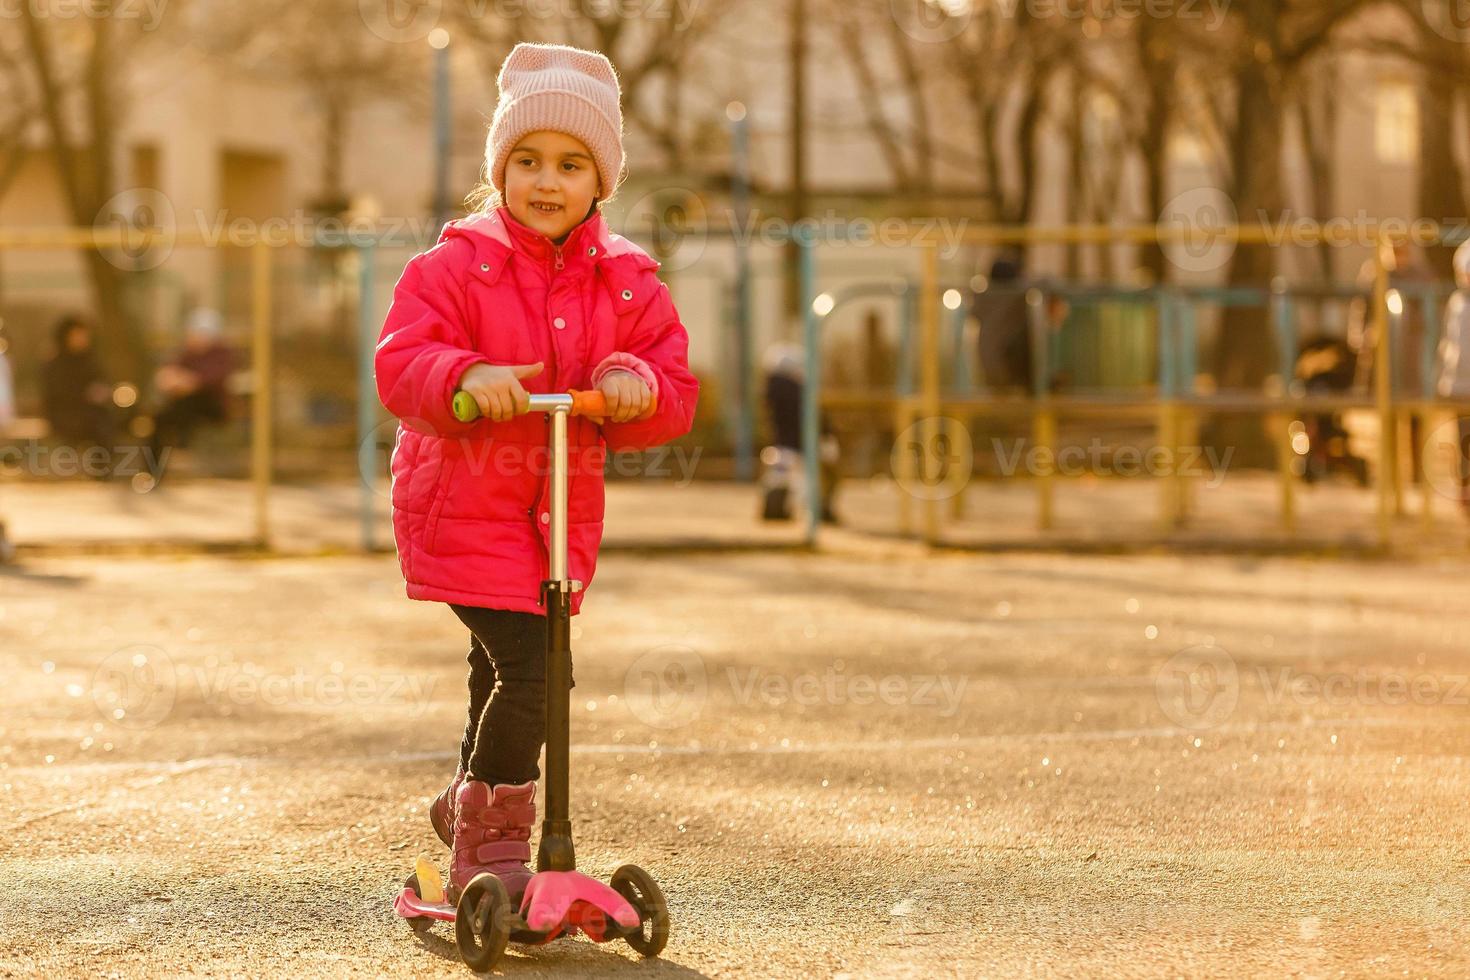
(592, 404)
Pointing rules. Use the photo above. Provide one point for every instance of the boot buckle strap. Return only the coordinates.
(503, 850)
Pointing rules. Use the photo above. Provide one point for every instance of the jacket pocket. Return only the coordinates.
(436, 508)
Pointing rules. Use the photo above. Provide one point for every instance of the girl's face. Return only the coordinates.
(550, 182)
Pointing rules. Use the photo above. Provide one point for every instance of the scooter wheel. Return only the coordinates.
(419, 923)
(482, 922)
(643, 893)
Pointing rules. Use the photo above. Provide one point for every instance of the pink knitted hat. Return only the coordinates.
(566, 90)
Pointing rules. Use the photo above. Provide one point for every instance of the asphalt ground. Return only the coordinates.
(870, 761)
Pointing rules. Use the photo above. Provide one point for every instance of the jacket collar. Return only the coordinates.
(591, 230)
(496, 235)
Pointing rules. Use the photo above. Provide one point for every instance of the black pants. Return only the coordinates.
(507, 718)
(175, 424)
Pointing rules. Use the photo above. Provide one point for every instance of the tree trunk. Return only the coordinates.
(1153, 144)
(86, 177)
(1077, 202)
(334, 142)
(1245, 354)
(1317, 111)
(989, 122)
(1441, 191)
(913, 77)
(851, 36)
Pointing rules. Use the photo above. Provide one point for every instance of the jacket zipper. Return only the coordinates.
(558, 266)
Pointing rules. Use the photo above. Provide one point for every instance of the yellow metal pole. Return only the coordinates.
(1382, 391)
(929, 386)
(1400, 439)
(1281, 436)
(1426, 488)
(903, 417)
(260, 457)
(957, 502)
(1168, 442)
(1044, 431)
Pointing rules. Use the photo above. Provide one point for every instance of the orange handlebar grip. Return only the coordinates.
(591, 403)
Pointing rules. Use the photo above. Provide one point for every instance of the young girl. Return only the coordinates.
(530, 294)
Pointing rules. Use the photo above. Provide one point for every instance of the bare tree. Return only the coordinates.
(1261, 51)
(1438, 51)
(325, 48)
(75, 68)
(17, 108)
(1315, 105)
(652, 55)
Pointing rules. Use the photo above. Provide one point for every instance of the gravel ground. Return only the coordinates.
(855, 763)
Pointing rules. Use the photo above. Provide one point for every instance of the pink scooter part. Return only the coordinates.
(410, 906)
(557, 901)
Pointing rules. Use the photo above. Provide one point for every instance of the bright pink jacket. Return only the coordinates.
(471, 500)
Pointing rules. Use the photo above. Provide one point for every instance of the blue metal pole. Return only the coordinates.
(745, 404)
(441, 139)
(1168, 346)
(961, 381)
(1283, 318)
(810, 405)
(367, 393)
(1188, 343)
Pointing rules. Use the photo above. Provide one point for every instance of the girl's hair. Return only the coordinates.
(484, 196)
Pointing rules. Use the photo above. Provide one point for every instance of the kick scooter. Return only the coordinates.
(559, 900)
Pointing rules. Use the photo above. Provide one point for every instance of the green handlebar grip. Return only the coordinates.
(466, 409)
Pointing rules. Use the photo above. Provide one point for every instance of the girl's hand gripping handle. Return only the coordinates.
(592, 404)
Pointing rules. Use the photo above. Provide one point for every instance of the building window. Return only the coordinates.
(1396, 122)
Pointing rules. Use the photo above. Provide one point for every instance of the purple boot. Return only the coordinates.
(441, 811)
(492, 832)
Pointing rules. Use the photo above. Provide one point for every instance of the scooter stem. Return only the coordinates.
(556, 852)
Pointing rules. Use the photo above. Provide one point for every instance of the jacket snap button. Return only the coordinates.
(559, 323)
(484, 267)
(627, 294)
(592, 250)
(545, 518)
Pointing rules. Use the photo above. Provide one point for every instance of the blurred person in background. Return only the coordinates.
(1005, 328)
(785, 367)
(76, 398)
(195, 385)
(1453, 364)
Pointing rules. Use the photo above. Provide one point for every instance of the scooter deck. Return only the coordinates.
(430, 900)
(410, 906)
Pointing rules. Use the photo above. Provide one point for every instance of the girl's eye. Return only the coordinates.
(527, 161)
(569, 165)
